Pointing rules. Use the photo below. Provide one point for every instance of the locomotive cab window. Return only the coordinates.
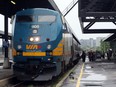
(24, 18)
(46, 18)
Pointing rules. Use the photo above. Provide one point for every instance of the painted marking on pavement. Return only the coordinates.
(80, 76)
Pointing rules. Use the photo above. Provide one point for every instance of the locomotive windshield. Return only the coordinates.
(46, 18)
(24, 18)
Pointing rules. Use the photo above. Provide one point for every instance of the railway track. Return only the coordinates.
(33, 84)
(13, 82)
(9, 82)
(17, 85)
(55, 82)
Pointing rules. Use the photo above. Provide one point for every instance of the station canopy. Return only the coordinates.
(94, 11)
(10, 7)
(111, 37)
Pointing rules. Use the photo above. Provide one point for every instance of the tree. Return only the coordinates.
(104, 46)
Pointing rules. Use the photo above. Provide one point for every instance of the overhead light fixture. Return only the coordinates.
(13, 2)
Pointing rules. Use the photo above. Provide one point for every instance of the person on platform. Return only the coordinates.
(109, 54)
(90, 55)
(83, 56)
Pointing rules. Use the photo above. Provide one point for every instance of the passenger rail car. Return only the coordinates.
(43, 46)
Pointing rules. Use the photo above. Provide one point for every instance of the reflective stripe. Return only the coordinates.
(14, 52)
(34, 54)
(60, 45)
(58, 51)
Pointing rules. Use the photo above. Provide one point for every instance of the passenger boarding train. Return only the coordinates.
(43, 44)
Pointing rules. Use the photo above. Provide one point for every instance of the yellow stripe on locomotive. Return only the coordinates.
(34, 53)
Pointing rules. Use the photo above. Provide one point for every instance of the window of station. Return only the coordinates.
(46, 18)
(25, 18)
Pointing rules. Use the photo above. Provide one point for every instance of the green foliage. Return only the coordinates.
(98, 48)
(104, 46)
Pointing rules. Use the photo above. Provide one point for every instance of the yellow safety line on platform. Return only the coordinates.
(80, 76)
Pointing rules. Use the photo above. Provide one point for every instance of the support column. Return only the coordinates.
(6, 64)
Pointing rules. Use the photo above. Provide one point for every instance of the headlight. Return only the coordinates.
(34, 39)
(37, 39)
(49, 47)
(31, 39)
(19, 46)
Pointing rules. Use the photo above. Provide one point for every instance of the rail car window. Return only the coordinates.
(24, 18)
(46, 18)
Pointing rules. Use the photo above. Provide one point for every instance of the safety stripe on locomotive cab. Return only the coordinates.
(14, 53)
(58, 51)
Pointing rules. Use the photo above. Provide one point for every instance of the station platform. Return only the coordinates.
(101, 73)
(4, 73)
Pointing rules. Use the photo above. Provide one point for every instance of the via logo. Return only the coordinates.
(32, 47)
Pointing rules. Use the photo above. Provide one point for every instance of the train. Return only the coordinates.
(43, 44)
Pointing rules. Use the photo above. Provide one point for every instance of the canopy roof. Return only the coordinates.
(10, 7)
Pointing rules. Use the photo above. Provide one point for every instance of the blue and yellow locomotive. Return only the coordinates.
(43, 45)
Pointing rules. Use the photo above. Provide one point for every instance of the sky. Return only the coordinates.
(2, 24)
(72, 18)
